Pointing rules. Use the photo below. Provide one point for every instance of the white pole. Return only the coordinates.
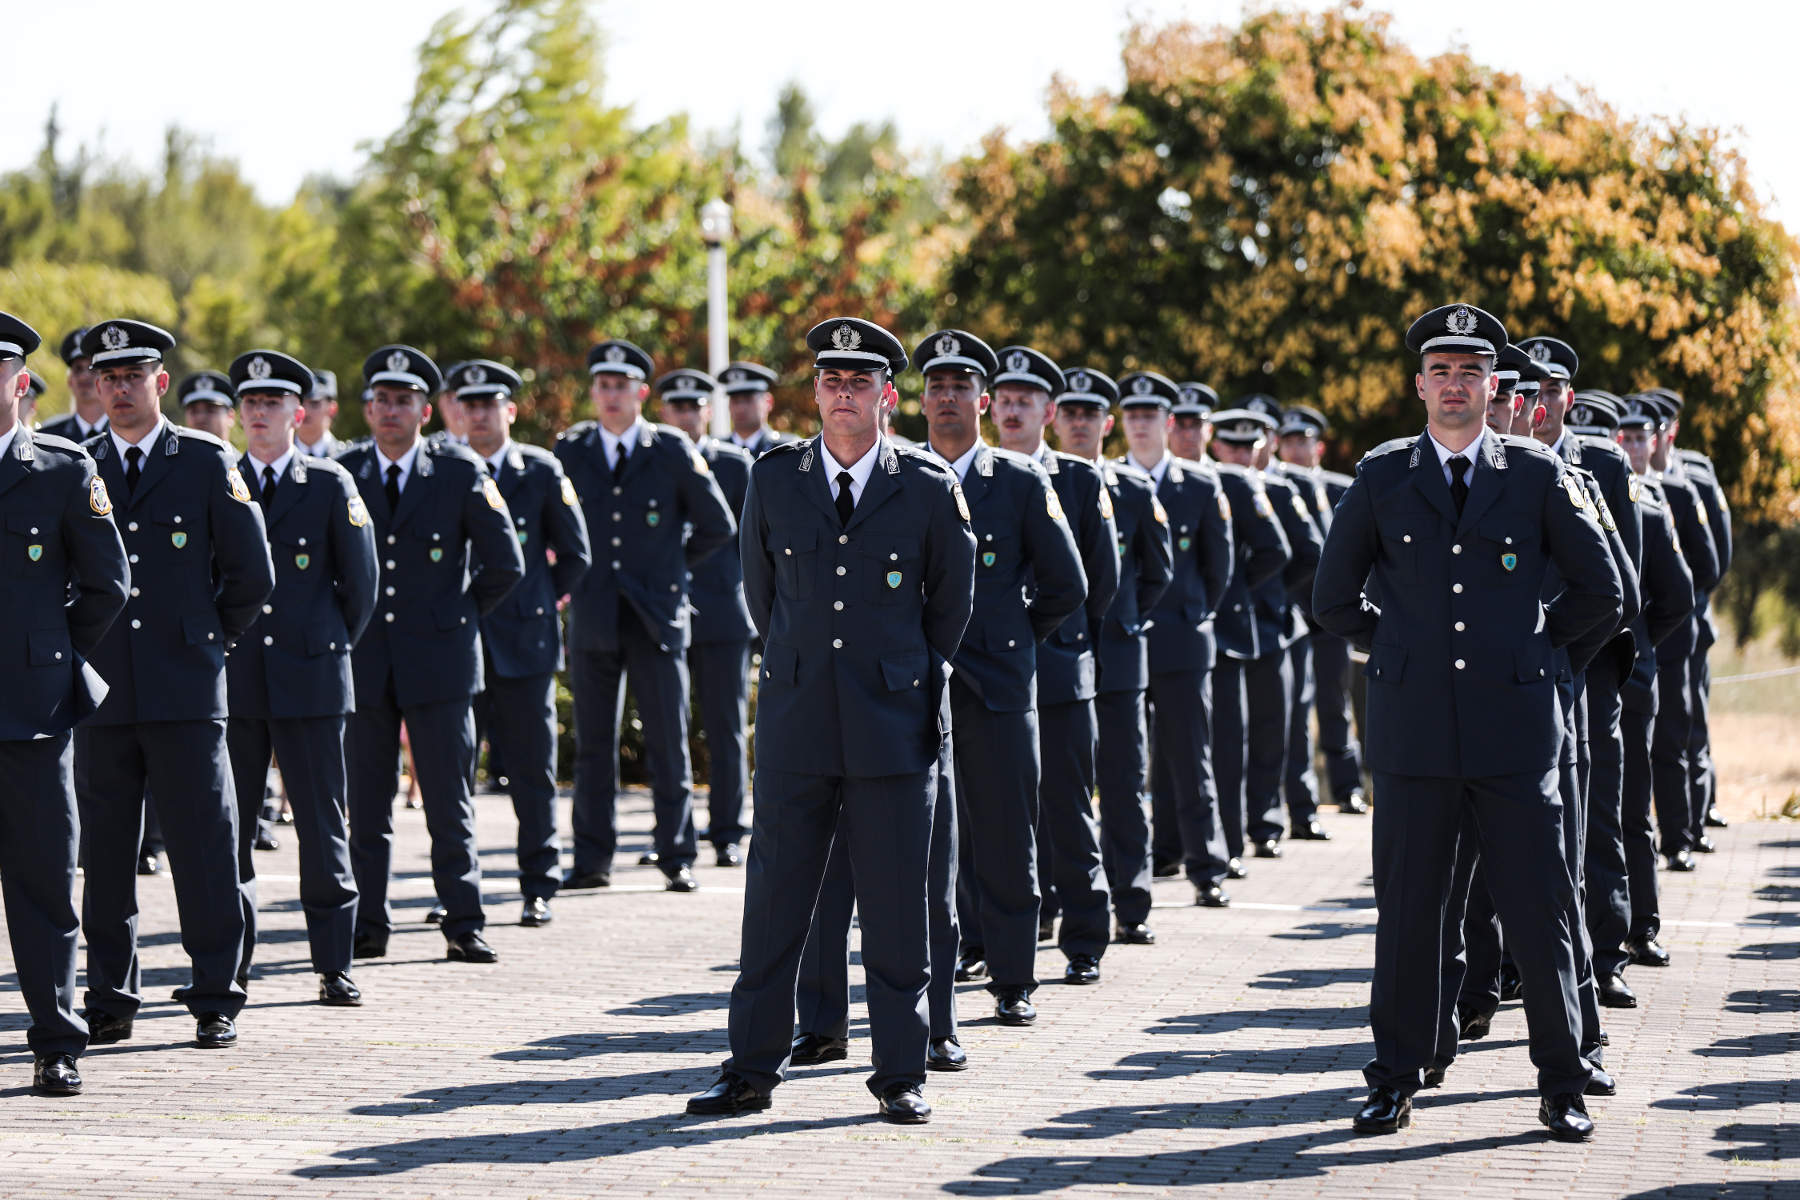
(718, 336)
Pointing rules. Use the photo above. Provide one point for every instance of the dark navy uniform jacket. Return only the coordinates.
(1618, 639)
(647, 529)
(1611, 469)
(1146, 564)
(65, 582)
(1028, 577)
(1698, 470)
(522, 635)
(200, 571)
(1461, 668)
(1668, 592)
(760, 445)
(1205, 549)
(447, 556)
(68, 426)
(1694, 537)
(1263, 555)
(716, 584)
(1065, 662)
(858, 621)
(1281, 607)
(294, 660)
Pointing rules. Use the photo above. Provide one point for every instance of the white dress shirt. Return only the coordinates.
(961, 465)
(631, 437)
(860, 470)
(279, 466)
(1155, 473)
(499, 458)
(404, 462)
(1445, 454)
(144, 443)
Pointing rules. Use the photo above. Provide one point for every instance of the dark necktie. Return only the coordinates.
(1459, 488)
(268, 487)
(846, 502)
(619, 462)
(393, 486)
(134, 469)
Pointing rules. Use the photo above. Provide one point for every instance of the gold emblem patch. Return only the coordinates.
(239, 491)
(359, 512)
(699, 461)
(1052, 505)
(1633, 488)
(490, 490)
(1158, 511)
(98, 500)
(1300, 507)
(1263, 508)
(1224, 506)
(1577, 497)
(568, 493)
(962, 505)
(1606, 517)
(1106, 505)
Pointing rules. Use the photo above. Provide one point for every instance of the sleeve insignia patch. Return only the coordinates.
(359, 512)
(962, 505)
(1264, 509)
(568, 493)
(1577, 497)
(700, 462)
(1300, 507)
(1633, 488)
(98, 500)
(239, 491)
(1053, 505)
(491, 491)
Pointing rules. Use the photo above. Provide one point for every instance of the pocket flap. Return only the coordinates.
(1386, 663)
(49, 648)
(780, 664)
(902, 672)
(796, 539)
(452, 611)
(25, 523)
(1532, 664)
(1504, 528)
(202, 628)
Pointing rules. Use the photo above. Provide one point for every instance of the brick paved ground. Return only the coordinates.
(1227, 1054)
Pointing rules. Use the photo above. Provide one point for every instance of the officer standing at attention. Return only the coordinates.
(521, 638)
(208, 403)
(289, 675)
(87, 411)
(859, 573)
(68, 580)
(719, 656)
(200, 572)
(1181, 625)
(749, 393)
(1028, 580)
(1146, 557)
(1453, 532)
(655, 513)
(1072, 879)
(448, 557)
(318, 410)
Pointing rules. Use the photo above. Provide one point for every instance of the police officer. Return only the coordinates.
(1072, 877)
(208, 403)
(68, 580)
(448, 556)
(87, 409)
(318, 410)
(656, 512)
(521, 638)
(719, 656)
(289, 676)
(859, 572)
(1146, 556)
(34, 391)
(1452, 533)
(200, 571)
(750, 395)
(1180, 635)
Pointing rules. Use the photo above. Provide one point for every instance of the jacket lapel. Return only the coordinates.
(976, 483)
(818, 486)
(287, 490)
(413, 494)
(640, 453)
(1484, 482)
(17, 463)
(884, 483)
(157, 453)
(1428, 478)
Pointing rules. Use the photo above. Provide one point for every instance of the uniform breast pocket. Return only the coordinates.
(892, 566)
(796, 555)
(1404, 537)
(181, 534)
(28, 541)
(1501, 544)
(1387, 664)
(996, 559)
(437, 546)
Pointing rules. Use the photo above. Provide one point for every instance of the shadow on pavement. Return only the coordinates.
(512, 1092)
(586, 1045)
(1319, 931)
(1755, 1045)
(672, 1005)
(1353, 1017)
(1716, 1097)
(1135, 1068)
(1765, 1000)
(1314, 977)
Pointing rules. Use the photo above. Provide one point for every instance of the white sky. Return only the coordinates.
(288, 90)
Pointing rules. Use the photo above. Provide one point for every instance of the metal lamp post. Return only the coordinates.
(715, 231)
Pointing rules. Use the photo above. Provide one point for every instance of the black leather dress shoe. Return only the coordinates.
(1681, 860)
(972, 965)
(649, 858)
(1433, 1078)
(284, 817)
(266, 840)
(1268, 848)
(681, 879)
(1385, 1111)
(1354, 803)
(1212, 897)
(470, 948)
(1312, 831)
(436, 915)
(1082, 968)
(104, 1029)
(1647, 952)
(946, 1054)
(369, 945)
(1613, 992)
(337, 991)
(1047, 928)
(1512, 985)
(1716, 820)
(728, 855)
(1566, 1117)
(55, 1075)
(727, 1098)
(905, 1105)
(1135, 935)
(1164, 868)
(149, 864)
(580, 881)
(1474, 1023)
(1601, 1084)
(536, 913)
(1605, 1038)
(811, 1049)
(1235, 869)
(215, 1031)
(1705, 845)
(1013, 1007)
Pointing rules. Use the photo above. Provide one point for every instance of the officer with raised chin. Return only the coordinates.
(289, 676)
(448, 557)
(87, 408)
(67, 580)
(1072, 877)
(859, 573)
(1146, 556)
(654, 512)
(200, 573)
(521, 639)
(750, 396)
(1435, 566)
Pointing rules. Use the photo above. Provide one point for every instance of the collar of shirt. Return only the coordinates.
(961, 464)
(1157, 472)
(87, 431)
(631, 437)
(738, 439)
(314, 449)
(279, 466)
(499, 458)
(1556, 446)
(145, 442)
(860, 470)
(404, 462)
(6, 439)
(1470, 452)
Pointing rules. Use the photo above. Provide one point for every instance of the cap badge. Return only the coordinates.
(845, 337)
(397, 361)
(734, 377)
(615, 354)
(1078, 381)
(259, 368)
(1190, 395)
(1581, 414)
(1016, 361)
(1460, 321)
(476, 375)
(1539, 351)
(114, 338)
(1142, 386)
(948, 346)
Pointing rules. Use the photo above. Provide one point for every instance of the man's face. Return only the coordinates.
(1301, 449)
(1636, 444)
(1499, 411)
(1187, 436)
(15, 386)
(689, 416)
(270, 419)
(84, 384)
(317, 413)
(619, 399)
(132, 393)
(215, 419)
(1456, 389)
(488, 420)
(851, 403)
(1020, 413)
(451, 413)
(953, 404)
(1662, 447)
(1081, 429)
(1233, 452)
(1553, 396)
(396, 413)
(1147, 432)
(750, 411)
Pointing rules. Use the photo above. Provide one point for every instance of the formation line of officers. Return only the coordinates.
(1000, 689)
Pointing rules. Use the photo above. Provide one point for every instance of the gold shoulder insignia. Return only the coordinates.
(1606, 517)
(962, 505)
(1053, 505)
(239, 491)
(98, 500)
(699, 461)
(1576, 496)
(1264, 509)
(1106, 505)
(568, 493)
(1633, 488)
(1158, 511)
(1224, 506)
(492, 492)
(359, 512)
(1300, 507)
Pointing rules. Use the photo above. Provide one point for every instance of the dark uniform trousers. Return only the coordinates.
(1268, 692)
(1608, 877)
(1702, 781)
(1123, 747)
(521, 715)
(1182, 735)
(1300, 778)
(38, 837)
(1074, 869)
(1672, 731)
(720, 673)
(1635, 725)
(1338, 743)
(997, 777)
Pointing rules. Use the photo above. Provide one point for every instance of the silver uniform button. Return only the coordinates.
(268, 639)
(540, 611)
(268, 608)
(390, 591)
(615, 541)
(618, 491)
(132, 526)
(1460, 664)
(390, 539)
(59, 656)
(390, 564)
(615, 564)
(134, 558)
(618, 516)
(388, 617)
(1457, 549)
(1459, 627)
(136, 624)
(838, 605)
(840, 570)
(1406, 537)
(178, 518)
(843, 539)
(837, 643)
(1457, 588)
(134, 591)
(1010, 643)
